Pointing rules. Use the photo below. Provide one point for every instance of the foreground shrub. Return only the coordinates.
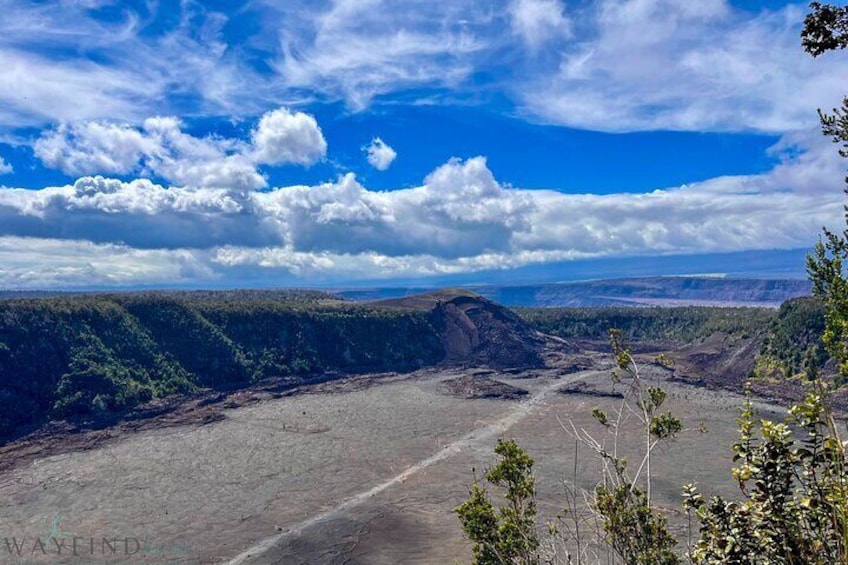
(506, 535)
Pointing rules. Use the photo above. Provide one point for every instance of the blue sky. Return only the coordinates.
(345, 142)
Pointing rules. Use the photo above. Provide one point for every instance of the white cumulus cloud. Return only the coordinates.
(285, 137)
(81, 264)
(160, 148)
(459, 220)
(5, 168)
(380, 155)
(90, 147)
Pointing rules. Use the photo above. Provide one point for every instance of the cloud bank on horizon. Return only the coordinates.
(175, 128)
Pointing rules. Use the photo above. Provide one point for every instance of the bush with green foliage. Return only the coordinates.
(793, 475)
(795, 484)
(794, 344)
(621, 502)
(633, 528)
(506, 535)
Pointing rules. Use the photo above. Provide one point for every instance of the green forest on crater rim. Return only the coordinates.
(64, 357)
(84, 356)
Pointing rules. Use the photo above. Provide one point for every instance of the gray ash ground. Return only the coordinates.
(362, 470)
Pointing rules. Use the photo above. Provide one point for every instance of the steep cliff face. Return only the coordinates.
(82, 356)
(476, 331)
(89, 355)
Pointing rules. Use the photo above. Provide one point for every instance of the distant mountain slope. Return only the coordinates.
(658, 291)
(675, 325)
(285, 294)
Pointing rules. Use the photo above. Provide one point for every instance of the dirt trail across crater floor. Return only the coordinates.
(358, 471)
(408, 518)
(204, 492)
(484, 434)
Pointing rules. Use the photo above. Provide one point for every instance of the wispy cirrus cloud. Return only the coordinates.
(688, 66)
(71, 61)
(539, 21)
(357, 50)
(628, 66)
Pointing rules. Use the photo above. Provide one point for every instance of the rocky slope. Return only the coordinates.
(476, 331)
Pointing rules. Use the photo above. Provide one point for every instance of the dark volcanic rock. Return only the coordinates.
(470, 386)
(476, 331)
(591, 390)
